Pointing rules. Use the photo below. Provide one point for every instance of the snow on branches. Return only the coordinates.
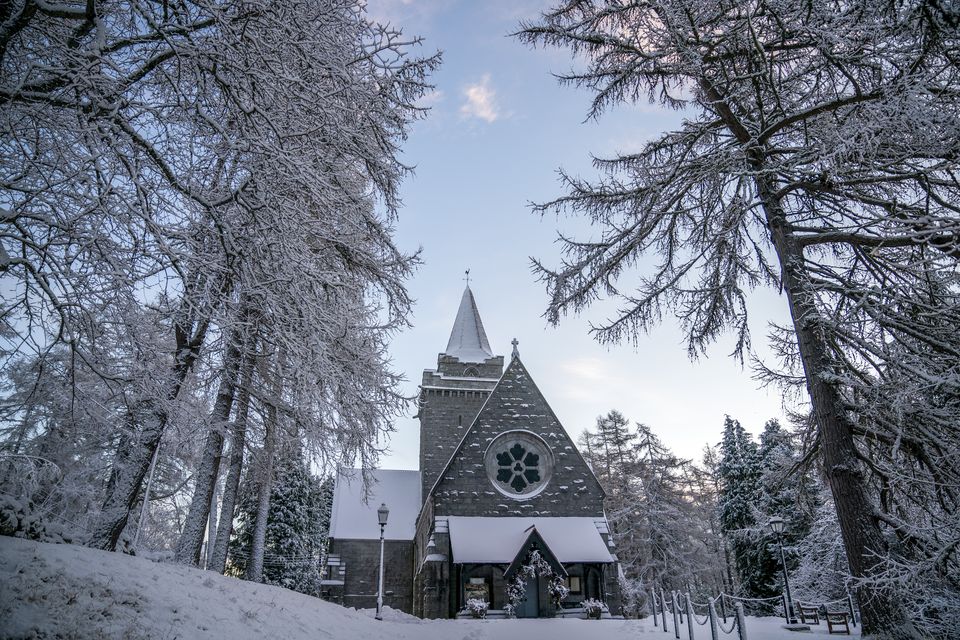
(819, 155)
(185, 180)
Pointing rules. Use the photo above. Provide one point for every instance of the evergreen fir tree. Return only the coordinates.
(740, 495)
(616, 438)
(297, 525)
(787, 491)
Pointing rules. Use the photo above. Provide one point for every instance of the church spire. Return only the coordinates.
(468, 342)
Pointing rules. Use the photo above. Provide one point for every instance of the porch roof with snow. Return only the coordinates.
(353, 518)
(468, 341)
(490, 540)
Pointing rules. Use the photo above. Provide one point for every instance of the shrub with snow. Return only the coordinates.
(558, 590)
(594, 608)
(19, 518)
(477, 607)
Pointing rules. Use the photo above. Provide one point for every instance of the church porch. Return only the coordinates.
(532, 558)
(489, 582)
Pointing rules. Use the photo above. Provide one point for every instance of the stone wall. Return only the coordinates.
(362, 559)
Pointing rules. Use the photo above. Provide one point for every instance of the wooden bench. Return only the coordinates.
(838, 620)
(809, 615)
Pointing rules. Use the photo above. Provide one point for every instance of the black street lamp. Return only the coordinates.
(777, 525)
(382, 514)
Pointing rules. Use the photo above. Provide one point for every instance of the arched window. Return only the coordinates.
(471, 372)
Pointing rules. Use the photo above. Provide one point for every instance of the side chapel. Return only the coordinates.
(499, 479)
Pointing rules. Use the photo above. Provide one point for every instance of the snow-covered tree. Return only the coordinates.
(789, 491)
(197, 161)
(297, 524)
(660, 511)
(822, 573)
(818, 156)
(740, 495)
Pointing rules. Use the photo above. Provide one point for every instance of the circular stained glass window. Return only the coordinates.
(519, 464)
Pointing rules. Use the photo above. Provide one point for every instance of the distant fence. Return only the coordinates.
(687, 614)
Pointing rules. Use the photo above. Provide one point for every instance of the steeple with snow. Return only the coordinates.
(452, 394)
(468, 341)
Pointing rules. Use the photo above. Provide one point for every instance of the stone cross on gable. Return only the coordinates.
(516, 352)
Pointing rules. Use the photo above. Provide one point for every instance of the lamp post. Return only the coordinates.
(777, 525)
(382, 514)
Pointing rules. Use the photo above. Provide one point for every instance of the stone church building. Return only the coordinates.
(499, 478)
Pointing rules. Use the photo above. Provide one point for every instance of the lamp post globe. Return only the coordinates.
(777, 526)
(382, 514)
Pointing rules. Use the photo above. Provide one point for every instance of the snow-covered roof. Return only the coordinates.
(468, 342)
(498, 540)
(354, 519)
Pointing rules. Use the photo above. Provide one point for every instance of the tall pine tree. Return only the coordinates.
(297, 525)
(740, 492)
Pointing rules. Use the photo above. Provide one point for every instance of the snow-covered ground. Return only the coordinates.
(67, 591)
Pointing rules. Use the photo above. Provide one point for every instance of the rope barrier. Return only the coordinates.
(741, 599)
(733, 625)
(682, 607)
(692, 610)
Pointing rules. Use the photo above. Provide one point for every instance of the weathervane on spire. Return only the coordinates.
(516, 352)
(467, 272)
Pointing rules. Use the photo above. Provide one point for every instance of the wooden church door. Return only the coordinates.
(530, 607)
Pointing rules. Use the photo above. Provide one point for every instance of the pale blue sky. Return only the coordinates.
(499, 129)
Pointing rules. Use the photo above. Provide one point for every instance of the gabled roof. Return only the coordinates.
(513, 372)
(468, 342)
(355, 518)
(534, 542)
(498, 540)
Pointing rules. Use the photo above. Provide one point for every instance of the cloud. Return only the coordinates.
(481, 101)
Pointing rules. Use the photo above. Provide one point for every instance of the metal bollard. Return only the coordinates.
(712, 612)
(663, 610)
(723, 609)
(653, 605)
(691, 620)
(741, 621)
(676, 614)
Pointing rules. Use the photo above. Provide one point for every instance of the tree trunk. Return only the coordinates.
(863, 539)
(255, 562)
(212, 524)
(191, 539)
(238, 436)
(137, 446)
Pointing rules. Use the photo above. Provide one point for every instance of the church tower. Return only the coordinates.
(451, 395)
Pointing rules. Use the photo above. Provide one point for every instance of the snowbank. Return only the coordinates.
(76, 593)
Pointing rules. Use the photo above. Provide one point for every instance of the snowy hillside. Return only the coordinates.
(67, 591)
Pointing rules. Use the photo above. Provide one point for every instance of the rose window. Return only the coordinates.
(519, 464)
(518, 467)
